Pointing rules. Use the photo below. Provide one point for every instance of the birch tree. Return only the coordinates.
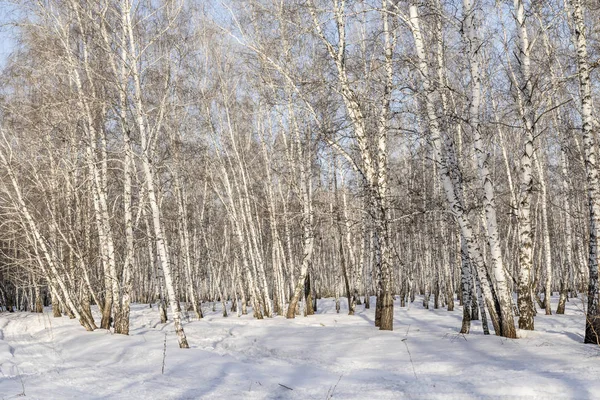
(592, 326)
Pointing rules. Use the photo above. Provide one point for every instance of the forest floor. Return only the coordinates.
(325, 356)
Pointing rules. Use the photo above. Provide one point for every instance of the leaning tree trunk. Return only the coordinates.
(472, 39)
(374, 161)
(453, 164)
(149, 175)
(46, 254)
(454, 204)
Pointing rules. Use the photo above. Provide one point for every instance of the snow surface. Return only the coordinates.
(324, 356)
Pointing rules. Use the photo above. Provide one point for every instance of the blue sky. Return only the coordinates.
(7, 43)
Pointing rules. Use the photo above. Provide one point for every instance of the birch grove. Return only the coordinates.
(264, 154)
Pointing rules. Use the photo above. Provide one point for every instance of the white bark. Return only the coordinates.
(524, 97)
(545, 234)
(454, 204)
(48, 254)
(471, 36)
(146, 159)
(592, 328)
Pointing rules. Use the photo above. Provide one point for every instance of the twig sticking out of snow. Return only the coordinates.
(331, 390)
(22, 383)
(164, 355)
(411, 360)
(287, 387)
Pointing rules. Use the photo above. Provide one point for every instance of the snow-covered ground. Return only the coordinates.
(324, 356)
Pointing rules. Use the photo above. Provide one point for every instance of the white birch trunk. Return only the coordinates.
(545, 235)
(146, 157)
(471, 36)
(454, 204)
(49, 256)
(568, 262)
(592, 326)
(524, 95)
